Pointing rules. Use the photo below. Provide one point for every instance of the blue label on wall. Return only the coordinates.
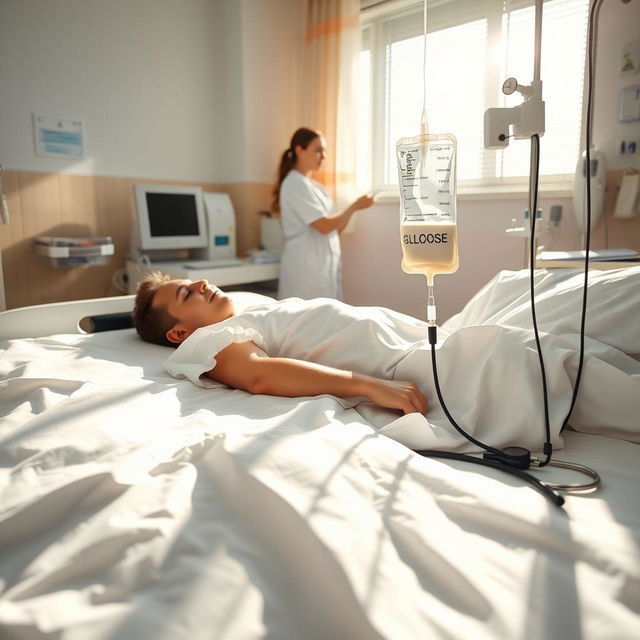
(220, 241)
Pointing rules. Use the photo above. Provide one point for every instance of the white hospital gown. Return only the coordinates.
(369, 340)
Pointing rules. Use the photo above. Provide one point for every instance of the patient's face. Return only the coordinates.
(194, 305)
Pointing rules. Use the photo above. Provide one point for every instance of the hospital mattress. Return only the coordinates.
(136, 505)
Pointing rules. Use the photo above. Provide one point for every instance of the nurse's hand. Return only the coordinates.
(363, 202)
(397, 394)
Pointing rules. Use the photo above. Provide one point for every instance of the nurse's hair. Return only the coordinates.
(301, 138)
(152, 323)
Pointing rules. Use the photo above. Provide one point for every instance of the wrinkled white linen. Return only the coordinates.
(134, 505)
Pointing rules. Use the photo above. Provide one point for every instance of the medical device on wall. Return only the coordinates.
(66, 252)
(598, 175)
(628, 199)
(174, 222)
(4, 207)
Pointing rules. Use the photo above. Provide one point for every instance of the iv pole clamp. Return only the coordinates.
(526, 119)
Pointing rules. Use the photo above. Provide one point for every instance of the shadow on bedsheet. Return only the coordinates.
(554, 607)
(246, 564)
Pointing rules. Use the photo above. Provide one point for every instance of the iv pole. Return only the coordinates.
(528, 121)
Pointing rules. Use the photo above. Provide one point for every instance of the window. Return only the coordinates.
(472, 47)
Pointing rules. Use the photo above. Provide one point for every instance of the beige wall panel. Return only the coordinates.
(41, 216)
(114, 198)
(248, 198)
(15, 250)
(78, 205)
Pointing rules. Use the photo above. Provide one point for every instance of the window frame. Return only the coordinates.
(373, 19)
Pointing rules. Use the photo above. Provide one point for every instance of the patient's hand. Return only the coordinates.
(397, 394)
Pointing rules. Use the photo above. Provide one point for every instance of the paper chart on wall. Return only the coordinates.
(58, 137)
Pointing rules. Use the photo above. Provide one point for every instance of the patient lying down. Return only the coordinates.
(289, 348)
(488, 367)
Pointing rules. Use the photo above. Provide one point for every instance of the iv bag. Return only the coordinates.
(427, 180)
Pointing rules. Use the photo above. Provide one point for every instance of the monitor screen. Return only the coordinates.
(170, 217)
(172, 214)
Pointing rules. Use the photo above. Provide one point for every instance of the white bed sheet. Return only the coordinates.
(135, 505)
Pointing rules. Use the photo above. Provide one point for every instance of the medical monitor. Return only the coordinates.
(170, 217)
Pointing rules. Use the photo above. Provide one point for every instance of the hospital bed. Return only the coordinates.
(134, 505)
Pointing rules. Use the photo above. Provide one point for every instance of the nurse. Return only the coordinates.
(311, 260)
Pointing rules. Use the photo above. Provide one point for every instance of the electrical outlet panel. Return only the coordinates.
(629, 146)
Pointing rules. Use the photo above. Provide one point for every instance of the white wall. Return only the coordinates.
(271, 45)
(147, 77)
(203, 90)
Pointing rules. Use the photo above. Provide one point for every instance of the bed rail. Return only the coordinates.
(58, 317)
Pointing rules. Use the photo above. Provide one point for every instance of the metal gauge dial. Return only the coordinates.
(509, 86)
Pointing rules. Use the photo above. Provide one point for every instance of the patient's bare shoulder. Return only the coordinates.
(233, 364)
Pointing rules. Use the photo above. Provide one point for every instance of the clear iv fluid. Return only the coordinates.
(427, 175)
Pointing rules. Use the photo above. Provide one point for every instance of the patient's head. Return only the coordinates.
(168, 311)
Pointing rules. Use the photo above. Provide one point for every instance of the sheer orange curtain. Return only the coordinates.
(332, 46)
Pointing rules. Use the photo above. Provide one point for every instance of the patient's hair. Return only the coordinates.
(152, 323)
(301, 138)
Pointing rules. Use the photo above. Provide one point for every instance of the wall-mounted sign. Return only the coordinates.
(630, 62)
(629, 108)
(58, 137)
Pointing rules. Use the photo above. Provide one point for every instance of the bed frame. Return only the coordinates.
(59, 317)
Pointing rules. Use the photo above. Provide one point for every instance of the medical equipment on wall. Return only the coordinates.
(419, 164)
(598, 178)
(4, 207)
(628, 199)
(69, 252)
(547, 231)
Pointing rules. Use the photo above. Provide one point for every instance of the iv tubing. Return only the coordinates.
(424, 126)
(543, 488)
(591, 44)
(534, 176)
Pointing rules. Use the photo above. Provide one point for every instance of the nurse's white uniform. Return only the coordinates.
(311, 261)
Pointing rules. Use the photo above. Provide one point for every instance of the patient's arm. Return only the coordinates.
(245, 366)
